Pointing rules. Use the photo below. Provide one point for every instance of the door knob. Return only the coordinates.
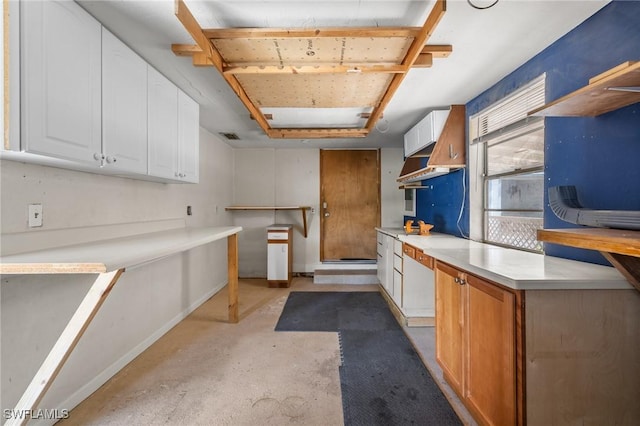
(326, 214)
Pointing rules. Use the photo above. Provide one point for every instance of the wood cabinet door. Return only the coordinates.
(61, 81)
(490, 379)
(450, 326)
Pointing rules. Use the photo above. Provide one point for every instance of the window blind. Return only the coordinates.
(509, 114)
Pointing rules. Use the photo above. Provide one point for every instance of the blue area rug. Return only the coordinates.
(382, 378)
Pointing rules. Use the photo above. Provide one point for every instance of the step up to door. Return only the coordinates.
(345, 276)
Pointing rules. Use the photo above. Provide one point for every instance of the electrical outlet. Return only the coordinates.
(35, 215)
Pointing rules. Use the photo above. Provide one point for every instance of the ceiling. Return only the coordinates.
(487, 45)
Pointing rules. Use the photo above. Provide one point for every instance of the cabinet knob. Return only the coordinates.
(176, 174)
(110, 159)
(98, 156)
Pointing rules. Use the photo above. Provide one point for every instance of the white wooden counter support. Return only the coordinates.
(109, 259)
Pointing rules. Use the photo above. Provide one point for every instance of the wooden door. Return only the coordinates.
(349, 204)
(450, 326)
(491, 370)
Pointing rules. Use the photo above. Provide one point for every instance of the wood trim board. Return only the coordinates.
(620, 247)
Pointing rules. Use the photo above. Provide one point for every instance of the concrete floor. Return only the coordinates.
(206, 371)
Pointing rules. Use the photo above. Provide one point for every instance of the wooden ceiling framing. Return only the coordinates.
(313, 68)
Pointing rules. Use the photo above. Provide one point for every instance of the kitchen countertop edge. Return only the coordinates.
(515, 269)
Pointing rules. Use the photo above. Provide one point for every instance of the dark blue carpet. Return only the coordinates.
(382, 378)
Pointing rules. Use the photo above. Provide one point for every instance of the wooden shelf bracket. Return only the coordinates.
(303, 211)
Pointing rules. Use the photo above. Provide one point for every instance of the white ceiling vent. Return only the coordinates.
(230, 136)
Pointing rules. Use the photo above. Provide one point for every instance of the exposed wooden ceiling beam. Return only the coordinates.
(314, 69)
(437, 50)
(425, 59)
(191, 25)
(205, 53)
(436, 14)
(316, 133)
(223, 33)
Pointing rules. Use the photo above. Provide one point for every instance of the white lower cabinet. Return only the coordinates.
(418, 290)
(407, 278)
(396, 287)
(385, 261)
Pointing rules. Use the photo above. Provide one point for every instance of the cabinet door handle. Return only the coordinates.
(456, 280)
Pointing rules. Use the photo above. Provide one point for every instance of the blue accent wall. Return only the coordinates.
(600, 156)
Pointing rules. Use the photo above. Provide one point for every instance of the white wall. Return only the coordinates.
(291, 177)
(145, 302)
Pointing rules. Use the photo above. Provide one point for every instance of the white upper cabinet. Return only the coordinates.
(162, 126)
(88, 102)
(423, 135)
(124, 107)
(188, 138)
(60, 81)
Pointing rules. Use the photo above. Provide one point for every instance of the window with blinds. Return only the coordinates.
(513, 176)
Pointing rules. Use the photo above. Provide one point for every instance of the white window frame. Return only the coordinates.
(508, 114)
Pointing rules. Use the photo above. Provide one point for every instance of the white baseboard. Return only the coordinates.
(94, 384)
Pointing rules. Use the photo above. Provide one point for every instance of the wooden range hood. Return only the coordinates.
(447, 153)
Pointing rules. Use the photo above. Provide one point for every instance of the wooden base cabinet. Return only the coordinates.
(450, 326)
(563, 357)
(476, 343)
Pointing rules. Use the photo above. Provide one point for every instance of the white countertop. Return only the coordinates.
(110, 255)
(515, 269)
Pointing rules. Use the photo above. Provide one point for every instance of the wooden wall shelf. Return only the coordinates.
(303, 210)
(620, 247)
(603, 94)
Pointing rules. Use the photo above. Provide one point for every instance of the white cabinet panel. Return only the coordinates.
(396, 289)
(278, 262)
(60, 80)
(124, 106)
(425, 133)
(418, 288)
(162, 126)
(188, 138)
(411, 141)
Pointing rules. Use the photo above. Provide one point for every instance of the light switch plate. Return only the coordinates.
(35, 215)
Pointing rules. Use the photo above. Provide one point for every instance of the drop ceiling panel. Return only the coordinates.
(315, 90)
(317, 117)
